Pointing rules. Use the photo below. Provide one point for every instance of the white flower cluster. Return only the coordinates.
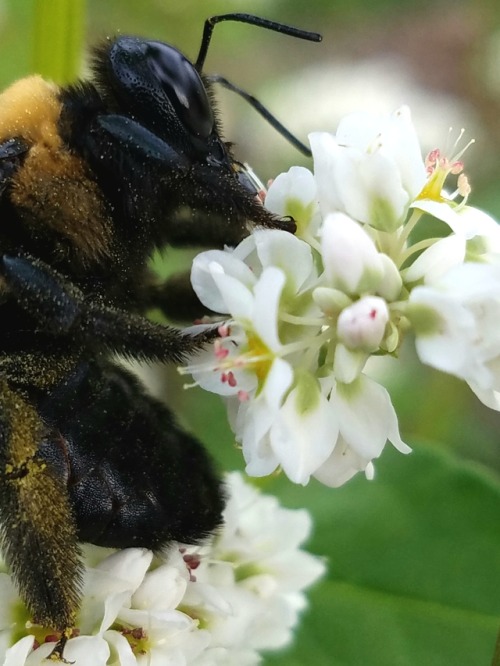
(305, 313)
(217, 605)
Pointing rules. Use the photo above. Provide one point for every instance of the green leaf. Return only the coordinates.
(414, 566)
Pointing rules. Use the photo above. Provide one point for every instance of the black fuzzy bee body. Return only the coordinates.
(93, 178)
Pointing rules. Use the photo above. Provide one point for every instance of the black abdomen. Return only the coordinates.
(134, 477)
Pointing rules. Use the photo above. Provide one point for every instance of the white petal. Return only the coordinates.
(400, 141)
(161, 589)
(391, 283)
(372, 191)
(482, 233)
(297, 183)
(110, 585)
(128, 565)
(350, 258)
(341, 466)
(434, 262)
(237, 298)
(304, 433)
(112, 606)
(447, 346)
(367, 418)
(348, 363)
(488, 397)
(256, 418)
(283, 250)
(394, 136)
(360, 129)
(440, 210)
(277, 383)
(265, 312)
(297, 569)
(324, 148)
(203, 282)
(87, 651)
(18, 653)
(121, 647)
(373, 164)
(82, 651)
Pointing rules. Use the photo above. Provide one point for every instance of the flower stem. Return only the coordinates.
(405, 233)
(58, 39)
(418, 247)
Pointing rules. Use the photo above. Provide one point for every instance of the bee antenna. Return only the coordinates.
(210, 24)
(265, 113)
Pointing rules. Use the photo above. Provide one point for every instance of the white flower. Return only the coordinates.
(294, 194)
(221, 603)
(456, 325)
(284, 318)
(251, 363)
(371, 169)
(366, 421)
(258, 571)
(306, 316)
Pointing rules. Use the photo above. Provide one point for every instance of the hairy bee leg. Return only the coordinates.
(216, 221)
(62, 309)
(130, 334)
(175, 298)
(38, 534)
(58, 651)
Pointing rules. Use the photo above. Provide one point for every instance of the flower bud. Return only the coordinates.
(351, 260)
(362, 325)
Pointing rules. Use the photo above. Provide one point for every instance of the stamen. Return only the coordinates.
(456, 168)
(220, 352)
(464, 187)
(190, 386)
(432, 160)
(438, 167)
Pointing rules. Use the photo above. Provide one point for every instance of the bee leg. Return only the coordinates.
(175, 298)
(62, 309)
(57, 652)
(37, 528)
(133, 138)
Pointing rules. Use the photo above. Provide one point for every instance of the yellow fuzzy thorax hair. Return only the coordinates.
(30, 108)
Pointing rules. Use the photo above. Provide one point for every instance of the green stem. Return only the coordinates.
(58, 39)
(418, 247)
(405, 233)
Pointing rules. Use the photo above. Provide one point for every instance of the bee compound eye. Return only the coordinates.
(183, 86)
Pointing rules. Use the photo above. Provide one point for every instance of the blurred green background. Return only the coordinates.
(414, 556)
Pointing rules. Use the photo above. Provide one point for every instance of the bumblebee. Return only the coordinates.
(93, 177)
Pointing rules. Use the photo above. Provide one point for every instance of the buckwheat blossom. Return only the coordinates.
(301, 316)
(220, 603)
